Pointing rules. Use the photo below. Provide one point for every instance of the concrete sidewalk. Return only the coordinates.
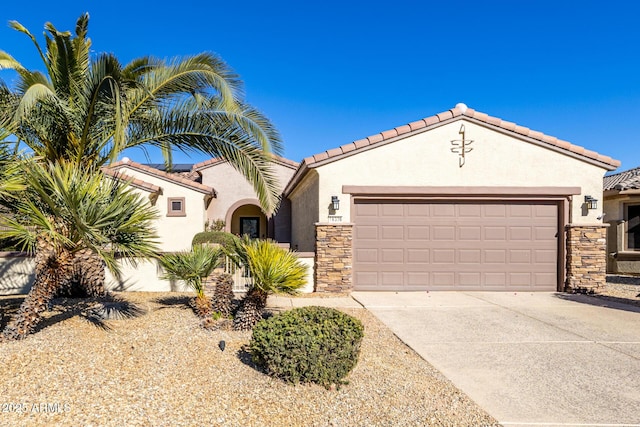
(529, 359)
(278, 301)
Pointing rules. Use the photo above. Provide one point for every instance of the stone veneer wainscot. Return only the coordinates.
(333, 259)
(586, 257)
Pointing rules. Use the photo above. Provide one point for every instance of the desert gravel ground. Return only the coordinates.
(161, 369)
(624, 289)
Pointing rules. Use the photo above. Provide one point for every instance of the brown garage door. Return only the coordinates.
(405, 245)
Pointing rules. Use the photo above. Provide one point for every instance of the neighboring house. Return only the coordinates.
(456, 201)
(622, 210)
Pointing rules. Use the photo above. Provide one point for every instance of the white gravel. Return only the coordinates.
(162, 369)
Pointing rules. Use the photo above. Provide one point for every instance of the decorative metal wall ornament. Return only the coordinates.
(461, 146)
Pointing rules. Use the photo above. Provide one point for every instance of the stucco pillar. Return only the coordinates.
(586, 257)
(333, 259)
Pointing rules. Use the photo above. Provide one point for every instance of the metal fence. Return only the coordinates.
(242, 279)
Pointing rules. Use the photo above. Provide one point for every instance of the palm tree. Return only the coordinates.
(273, 270)
(87, 110)
(62, 211)
(193, 267)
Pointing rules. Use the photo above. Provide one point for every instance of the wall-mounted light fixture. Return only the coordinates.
(592, 203)
(335, 203)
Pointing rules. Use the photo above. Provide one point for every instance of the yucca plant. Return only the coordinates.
(192, 267)
(273, 270)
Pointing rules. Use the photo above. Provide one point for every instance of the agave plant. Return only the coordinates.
(192, 267)
(274, 270)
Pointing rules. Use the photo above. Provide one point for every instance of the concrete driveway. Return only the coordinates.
(538, 359)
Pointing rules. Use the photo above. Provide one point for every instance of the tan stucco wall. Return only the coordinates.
(231, 186)
(18, 274)
(426, 159)
(176, 232)
(305, 213)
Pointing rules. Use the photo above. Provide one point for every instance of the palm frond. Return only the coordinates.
(192, 266)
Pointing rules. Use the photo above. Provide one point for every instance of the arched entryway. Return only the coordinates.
(246, 217)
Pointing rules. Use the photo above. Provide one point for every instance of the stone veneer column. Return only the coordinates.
(586, 257)
(333, 260)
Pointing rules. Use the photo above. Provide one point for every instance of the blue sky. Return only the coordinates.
(327, 73)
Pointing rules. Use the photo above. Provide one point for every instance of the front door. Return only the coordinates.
(250, 226)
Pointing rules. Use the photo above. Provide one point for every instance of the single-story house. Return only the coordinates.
(456, 201)
(622, 213)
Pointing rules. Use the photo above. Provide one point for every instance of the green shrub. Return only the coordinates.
(223, 238)
(308, 344)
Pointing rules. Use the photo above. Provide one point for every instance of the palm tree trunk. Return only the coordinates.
(54, 268)
(88, 274)
(223, 294)
(251, 309)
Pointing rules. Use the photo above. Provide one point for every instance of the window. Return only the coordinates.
(250, 226)
(633, 227)
(176, 206)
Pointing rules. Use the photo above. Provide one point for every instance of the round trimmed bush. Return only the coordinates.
(308, 344)
(221, 237)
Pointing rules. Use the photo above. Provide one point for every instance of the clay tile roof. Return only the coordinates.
(176, 179)
(456, 113)
(626, 180)
(138, 183)
(217, 160)
(459, 111)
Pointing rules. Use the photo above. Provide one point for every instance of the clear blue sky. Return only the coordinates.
(327, 73)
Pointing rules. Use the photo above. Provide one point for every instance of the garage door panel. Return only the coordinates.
(443, 210)
(443, 256)
(366, 232)
(489, 246)
(470, 280)
(520, 210)
(362, 255)
(520, 233)
(546, 233)
(469, 210)
(444, 280)
(417, 256)
(419, 210)
(495, 280)
(495, 211)
(419, 279)
(392, 232)
(495, 233)
(470, 256)
(392, 256)
(364, 210)
(495, 256)
(392, 278)
(418, 232)
(444, 232)
(520, 256)
(468, 232)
